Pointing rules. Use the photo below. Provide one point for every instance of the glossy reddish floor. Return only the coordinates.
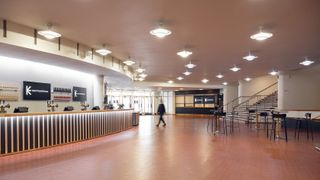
(182, 150)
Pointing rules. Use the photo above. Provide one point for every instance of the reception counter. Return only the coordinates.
(30, 131)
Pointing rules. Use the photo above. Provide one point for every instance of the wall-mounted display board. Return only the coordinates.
(9, 92)
(197, 101)
(62, 94)
(36, 91)
(209, 99)
(79, 94)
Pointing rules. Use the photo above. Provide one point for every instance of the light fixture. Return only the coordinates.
(273, 73)
(180, 78)
(187, 73)
(170, 82)
(205, 80)
(247, 79)
(225, 83)
(140, 70)
(129, 62)
(235, 69)
(306, 62)
(219, 76)
(160, 32)
(49, 34)
(143, 75)
(190, 65)
(260, 36)
(184, 53)
(250, 57)
(103, 51)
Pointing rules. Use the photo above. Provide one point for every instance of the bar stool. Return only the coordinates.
(281, 118)
(251, 113)
(211, 119)
(223, 117)
(266, 123)
(308, 123)
(232, 119)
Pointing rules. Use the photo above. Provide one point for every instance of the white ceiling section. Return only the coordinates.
(216, 31)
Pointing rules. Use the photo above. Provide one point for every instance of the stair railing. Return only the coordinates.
(256, 95)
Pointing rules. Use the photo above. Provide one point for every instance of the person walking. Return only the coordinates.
(161, 111)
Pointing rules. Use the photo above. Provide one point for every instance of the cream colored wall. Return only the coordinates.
(300, 90)
(230, 92)
(256, 85)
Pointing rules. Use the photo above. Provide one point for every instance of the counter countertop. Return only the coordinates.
(60, 112)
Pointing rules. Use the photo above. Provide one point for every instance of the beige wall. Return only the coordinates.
(300, 90)
(230, 92)
(256, 85)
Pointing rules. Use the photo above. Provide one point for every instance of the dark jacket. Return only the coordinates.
(161, 109)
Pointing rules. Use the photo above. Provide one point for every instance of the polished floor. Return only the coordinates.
(182, 150)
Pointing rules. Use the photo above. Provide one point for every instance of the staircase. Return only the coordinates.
(259, 102)
(263, 103)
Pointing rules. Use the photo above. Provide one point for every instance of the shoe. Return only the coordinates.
(157, 125)
(164, 124)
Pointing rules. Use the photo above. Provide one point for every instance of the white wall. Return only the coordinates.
(16, 71)
(230, 92)
(299, 90)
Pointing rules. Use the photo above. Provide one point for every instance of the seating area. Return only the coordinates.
(277, 128)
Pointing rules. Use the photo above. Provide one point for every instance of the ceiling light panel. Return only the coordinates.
(160, 32)
(306, 62)
(235, 69)
(184, 53)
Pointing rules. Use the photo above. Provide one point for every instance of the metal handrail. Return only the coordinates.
(255, 95)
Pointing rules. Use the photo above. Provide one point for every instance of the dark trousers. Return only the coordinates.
(161, 119)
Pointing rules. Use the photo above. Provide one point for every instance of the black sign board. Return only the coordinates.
(36, 91)
(198, 99)
(79, 94)
(209, 99)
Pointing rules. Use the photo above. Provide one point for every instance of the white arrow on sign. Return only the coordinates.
(75, 93)
(28, 91)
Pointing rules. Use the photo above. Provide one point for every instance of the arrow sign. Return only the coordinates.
(79, 94)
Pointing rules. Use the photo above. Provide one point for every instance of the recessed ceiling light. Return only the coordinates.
(205, 80)
(180, 78)
(140, 70)
(273, 73)
(250, 57)
(260, 36)
(247, 79)
(103, 51)
(143, 75)
(160, 32)
(187, 73)
(49, 34)
(200, 89)
(184, 53)
(306, 62)
(220, 76)
(129, 62)
(170, 82)
(225, 83)
(235, 69)
(190, 65)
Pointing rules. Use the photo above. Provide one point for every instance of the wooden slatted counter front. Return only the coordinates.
(30, 131)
